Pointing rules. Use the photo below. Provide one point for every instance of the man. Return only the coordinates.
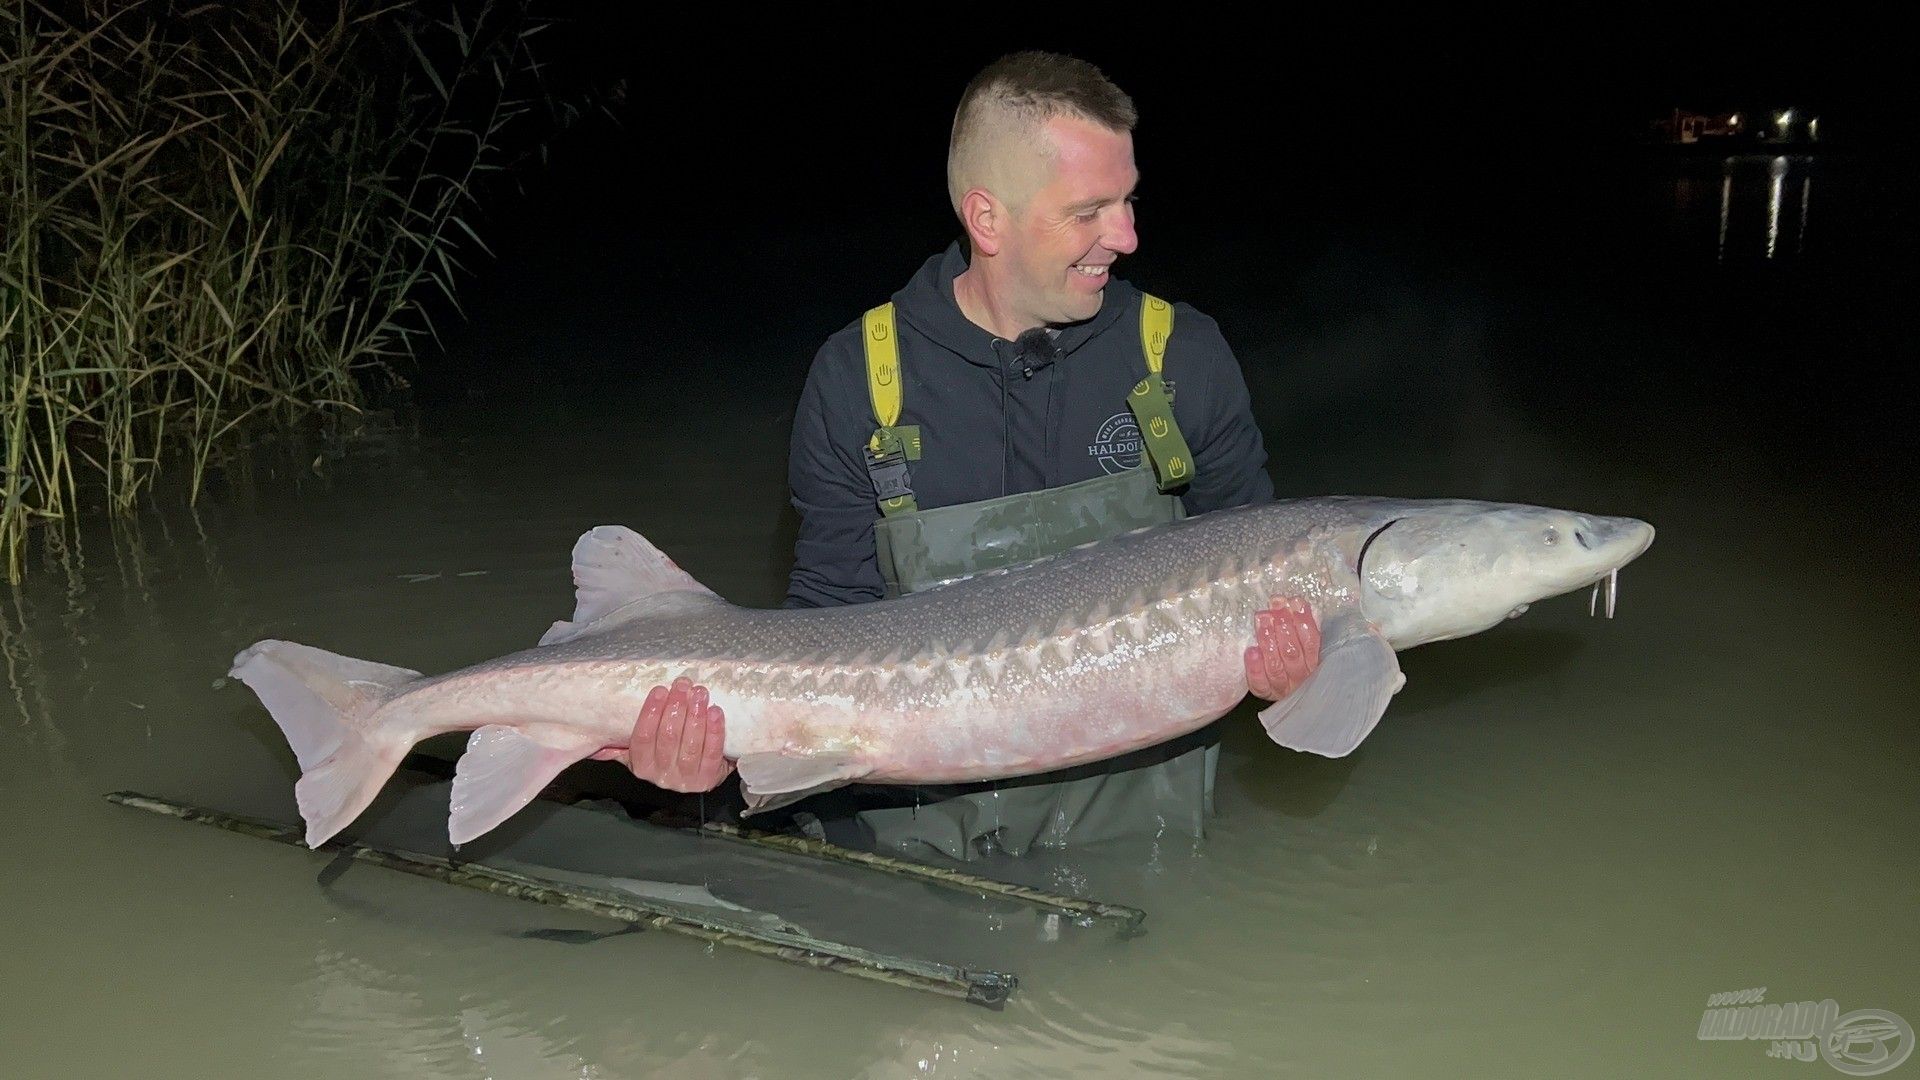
(1015, 398)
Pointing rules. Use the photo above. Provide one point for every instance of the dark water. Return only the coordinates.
(1564, 837)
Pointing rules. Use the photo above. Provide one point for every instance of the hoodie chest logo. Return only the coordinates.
(1117, 444)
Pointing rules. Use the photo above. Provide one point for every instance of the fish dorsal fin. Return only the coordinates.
(612, 567)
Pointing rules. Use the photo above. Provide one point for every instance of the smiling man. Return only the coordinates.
(1014, 353)
(1014, 399)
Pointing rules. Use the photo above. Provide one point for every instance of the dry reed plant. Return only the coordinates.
(223, 215)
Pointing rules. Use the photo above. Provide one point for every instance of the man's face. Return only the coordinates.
(1063, 243)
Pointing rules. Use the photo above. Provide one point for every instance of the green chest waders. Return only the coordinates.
(1159, 789)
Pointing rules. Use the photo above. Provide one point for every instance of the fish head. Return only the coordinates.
(1440, 570)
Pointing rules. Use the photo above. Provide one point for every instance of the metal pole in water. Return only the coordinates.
(980, 987)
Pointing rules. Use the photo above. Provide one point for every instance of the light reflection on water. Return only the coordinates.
(1757, 208)
(1563, 837)
(1750, 208)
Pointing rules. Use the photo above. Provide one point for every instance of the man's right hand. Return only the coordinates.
(679, 740)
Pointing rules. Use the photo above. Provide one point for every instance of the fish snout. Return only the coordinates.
(1578, 548)
(1619, 539)
(1586, 549)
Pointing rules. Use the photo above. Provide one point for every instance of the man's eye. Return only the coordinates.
(1085, 217)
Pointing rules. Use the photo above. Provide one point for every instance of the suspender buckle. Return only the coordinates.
(887, 466)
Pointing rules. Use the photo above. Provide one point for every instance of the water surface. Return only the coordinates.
(1564, 836)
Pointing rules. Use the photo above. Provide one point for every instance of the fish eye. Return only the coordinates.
(1551, 536)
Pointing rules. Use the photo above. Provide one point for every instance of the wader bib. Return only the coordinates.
(1161, 788)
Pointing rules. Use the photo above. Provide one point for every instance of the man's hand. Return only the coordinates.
(1286, 648)
(678, 741)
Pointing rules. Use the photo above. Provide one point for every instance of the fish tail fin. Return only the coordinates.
(327, 706)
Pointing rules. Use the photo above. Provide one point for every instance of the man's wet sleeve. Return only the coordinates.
(1229, 454)
(833, 557)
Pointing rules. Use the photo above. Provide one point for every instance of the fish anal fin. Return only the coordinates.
(503, 769)
(612, 567)
(1339, 704)
(774, 779)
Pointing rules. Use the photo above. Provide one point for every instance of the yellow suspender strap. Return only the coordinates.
(891, 445)
(1152, 408)
(1156, 326)
(883, 365)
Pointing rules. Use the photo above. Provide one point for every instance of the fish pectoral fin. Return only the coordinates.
(1343, 699)
(503, 769)
(774, 779)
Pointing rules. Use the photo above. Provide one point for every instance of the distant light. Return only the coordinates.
(1786, 118)
(1734, 119)
(1813, 128)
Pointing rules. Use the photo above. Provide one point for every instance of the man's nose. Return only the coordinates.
(1120, 237)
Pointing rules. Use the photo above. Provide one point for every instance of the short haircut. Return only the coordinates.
(1011, 98)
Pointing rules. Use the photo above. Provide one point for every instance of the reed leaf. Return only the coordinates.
(221, 219)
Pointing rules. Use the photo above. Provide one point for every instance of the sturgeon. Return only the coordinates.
(1076, 657)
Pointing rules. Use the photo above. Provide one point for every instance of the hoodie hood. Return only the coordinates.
(927, 302)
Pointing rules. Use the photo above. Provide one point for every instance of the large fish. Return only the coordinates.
(1076, 657)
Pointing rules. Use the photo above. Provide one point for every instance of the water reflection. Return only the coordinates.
(1726, 201)
(1745, 217)
(20, 652)
(1806, 200)
(1757, 208)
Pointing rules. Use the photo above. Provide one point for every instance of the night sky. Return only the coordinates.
(774, 178)
(744, 128)
(799, 109)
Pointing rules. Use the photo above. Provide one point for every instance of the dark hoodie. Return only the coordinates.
(998, 417)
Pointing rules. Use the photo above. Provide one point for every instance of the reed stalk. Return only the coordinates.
(219, 217)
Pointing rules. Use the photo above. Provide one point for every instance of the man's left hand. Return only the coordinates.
(1286, 648)
(678, 741)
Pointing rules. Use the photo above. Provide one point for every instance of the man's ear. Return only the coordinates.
(985, 220)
